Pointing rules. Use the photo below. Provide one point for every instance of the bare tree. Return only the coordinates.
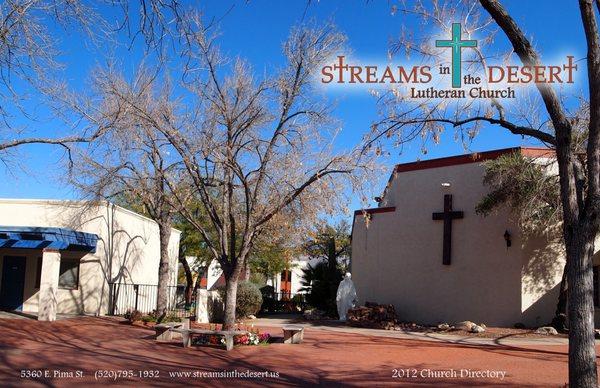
(130, 159)
(543, 116)
(248, 149)
(262, 146)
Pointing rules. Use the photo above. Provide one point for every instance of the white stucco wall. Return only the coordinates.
(398, 258)
(127, 250)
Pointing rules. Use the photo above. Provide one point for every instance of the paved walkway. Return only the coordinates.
(101, 351)
(28, 315)
(337, 326)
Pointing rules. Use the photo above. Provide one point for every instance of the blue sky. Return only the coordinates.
(255, 30)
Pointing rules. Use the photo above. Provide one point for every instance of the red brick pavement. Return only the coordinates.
(325, 358)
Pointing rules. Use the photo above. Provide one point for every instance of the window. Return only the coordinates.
(69, 274)
(596, 299)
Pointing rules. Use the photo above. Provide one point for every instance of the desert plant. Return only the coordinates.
(320, 282)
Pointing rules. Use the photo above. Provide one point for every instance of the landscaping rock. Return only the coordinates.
(477, 329)
(251, 316)
(443, 326)
(483, 325)
(597, 333)
(546, 330)
(465, 325)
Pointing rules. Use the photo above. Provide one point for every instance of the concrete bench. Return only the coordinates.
(187, 334)
(164, 331)
(293, 334)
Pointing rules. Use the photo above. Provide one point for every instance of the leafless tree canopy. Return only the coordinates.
(30, 43)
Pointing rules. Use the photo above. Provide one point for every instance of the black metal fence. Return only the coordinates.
(283, 302)
(143, 297)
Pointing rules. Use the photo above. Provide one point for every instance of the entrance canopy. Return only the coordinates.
(19, 237)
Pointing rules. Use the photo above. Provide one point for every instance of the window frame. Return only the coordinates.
(78, 266)
(38, 273)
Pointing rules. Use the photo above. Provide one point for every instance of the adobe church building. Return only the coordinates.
(68, 257)
(427, 252)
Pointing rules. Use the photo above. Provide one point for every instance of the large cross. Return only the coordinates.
(456, 44)
(448, 215)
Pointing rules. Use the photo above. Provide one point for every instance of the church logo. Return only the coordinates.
(456, 44)
(446, 79)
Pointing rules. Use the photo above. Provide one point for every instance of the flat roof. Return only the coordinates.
(534, 152)
(83, 202)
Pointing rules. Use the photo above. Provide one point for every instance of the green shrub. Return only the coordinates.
(172, 317)
(249, 299)
(149, 318)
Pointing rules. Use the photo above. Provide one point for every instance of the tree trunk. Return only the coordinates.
(582, 346)
(230, 302)
(198, 282)
(162, 298)
(189, 280)
(559, 322)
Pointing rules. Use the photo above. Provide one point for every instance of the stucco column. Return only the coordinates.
(202, 306)
(47, 305)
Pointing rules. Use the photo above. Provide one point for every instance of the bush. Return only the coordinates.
(132, 316)
(172, 317)
(268, 296)
(267, 291)
(249, 299)
(149, 318)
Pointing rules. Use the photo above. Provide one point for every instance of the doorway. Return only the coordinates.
(13, 283)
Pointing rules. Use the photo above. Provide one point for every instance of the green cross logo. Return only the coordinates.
(456, 44)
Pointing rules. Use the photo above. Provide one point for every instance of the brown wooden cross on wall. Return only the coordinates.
(448, 215)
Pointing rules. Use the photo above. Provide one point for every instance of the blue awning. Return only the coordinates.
(19, 237)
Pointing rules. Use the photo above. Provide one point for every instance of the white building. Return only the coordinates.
(76, 257)
(288, 282)
(426, 251)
